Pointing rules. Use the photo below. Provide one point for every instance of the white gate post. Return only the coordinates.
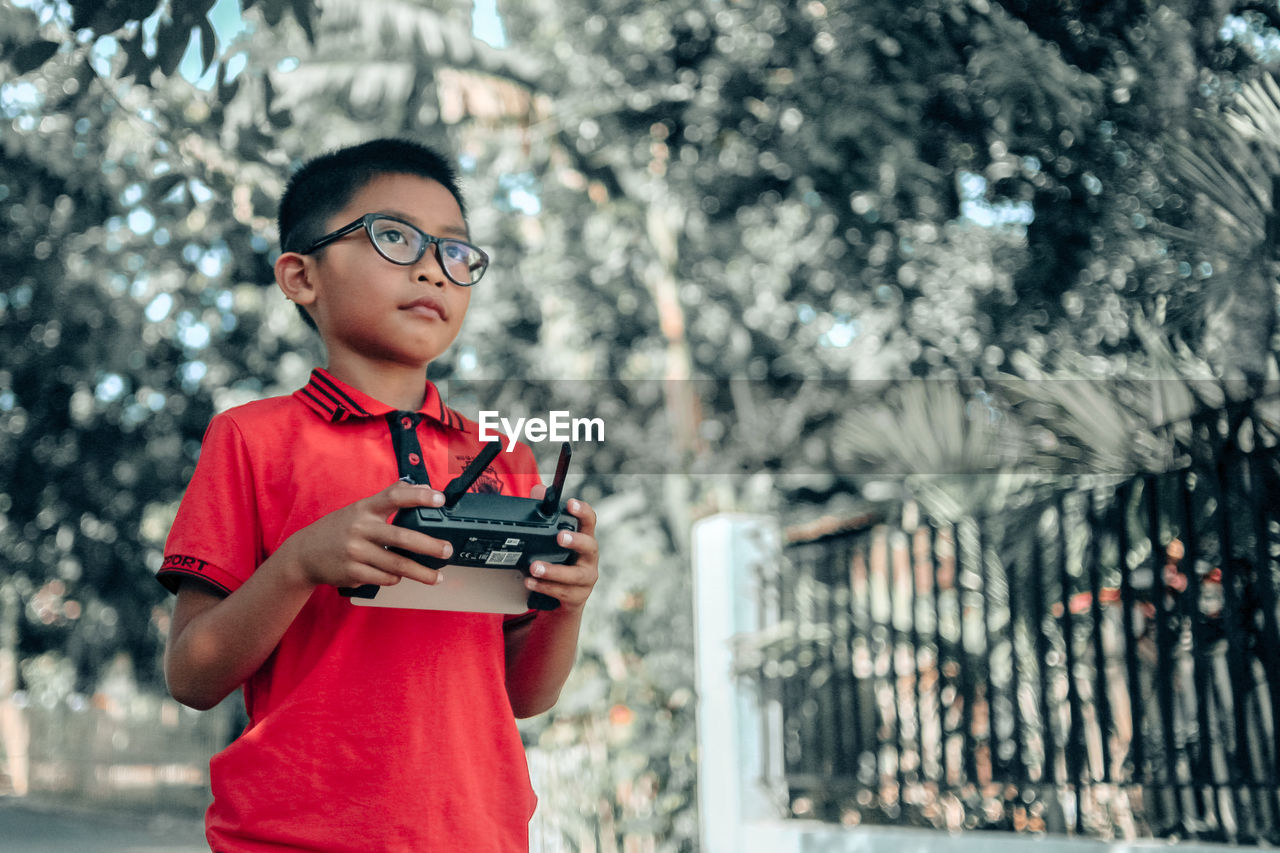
(727, 551)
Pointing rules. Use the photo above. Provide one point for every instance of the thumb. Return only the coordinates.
(400, 495)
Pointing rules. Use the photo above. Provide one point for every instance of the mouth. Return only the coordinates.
(426, 307)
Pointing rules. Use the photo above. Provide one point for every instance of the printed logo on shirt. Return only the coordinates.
(488, 483)
(182, 563)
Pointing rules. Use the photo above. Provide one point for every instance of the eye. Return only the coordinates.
(455, 252)
(391, 233)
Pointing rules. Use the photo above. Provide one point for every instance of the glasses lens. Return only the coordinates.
(396, 241)
(462, 262)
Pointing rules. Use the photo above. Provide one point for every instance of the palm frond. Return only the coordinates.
(923, 427)
(1229, 165)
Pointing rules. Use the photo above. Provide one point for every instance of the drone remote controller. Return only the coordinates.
(489, 531)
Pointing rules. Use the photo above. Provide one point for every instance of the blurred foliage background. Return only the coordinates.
(735, 229)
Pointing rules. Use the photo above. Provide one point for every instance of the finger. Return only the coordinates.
(576, 575)
(361, 568)
(400, 566)
(371, 576)
(586, 516)
(415, 542)
(567, 594)
(374, 551)
(584, 544)
(537, 492)
(413, 570)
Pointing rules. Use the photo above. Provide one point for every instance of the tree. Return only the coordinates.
(119, 328)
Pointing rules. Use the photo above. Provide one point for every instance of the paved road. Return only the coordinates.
(31, 828)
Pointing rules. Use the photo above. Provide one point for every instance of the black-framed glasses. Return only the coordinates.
(404, 243)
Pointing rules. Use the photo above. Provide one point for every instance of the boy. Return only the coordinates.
(370, 729)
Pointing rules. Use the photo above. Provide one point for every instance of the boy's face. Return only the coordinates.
(375, 311)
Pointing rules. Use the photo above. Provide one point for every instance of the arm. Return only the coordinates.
(541, 652)
(212, 650)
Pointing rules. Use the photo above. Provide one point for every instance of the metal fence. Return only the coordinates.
(141, 752)
(1101, 661)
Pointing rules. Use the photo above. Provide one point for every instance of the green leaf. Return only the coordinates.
(163, 185)
(104, 18)
(208, 44)
(304, 11)
(226, 90)
(171, 43)
(137, 64)
(101, 18)
(82, 13)
(252, 143)
(29, 57)
(272, 12)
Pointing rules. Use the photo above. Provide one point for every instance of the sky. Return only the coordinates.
(486, 25)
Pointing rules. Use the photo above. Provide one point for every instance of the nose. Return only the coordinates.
(428, 269)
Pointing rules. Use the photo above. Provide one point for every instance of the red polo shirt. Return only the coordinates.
(370, 728)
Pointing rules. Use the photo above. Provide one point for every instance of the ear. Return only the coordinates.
(293, 277)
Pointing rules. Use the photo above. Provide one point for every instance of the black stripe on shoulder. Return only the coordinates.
(322, 395)
(455, 420)
(323, 406)
(312, 394)
(326, 385)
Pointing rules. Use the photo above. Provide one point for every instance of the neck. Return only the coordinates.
(402, 388)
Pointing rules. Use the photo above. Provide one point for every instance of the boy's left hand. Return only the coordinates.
(570, 584)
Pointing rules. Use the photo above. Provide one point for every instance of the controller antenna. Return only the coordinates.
(458, 485)
(551, 500)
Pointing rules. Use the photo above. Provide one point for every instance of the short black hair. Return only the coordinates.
(325, 184)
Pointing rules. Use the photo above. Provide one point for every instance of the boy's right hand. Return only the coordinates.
(350, 546)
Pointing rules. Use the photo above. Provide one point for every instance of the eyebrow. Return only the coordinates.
(445, 230)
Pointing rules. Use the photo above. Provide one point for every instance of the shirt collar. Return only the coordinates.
(336, 401)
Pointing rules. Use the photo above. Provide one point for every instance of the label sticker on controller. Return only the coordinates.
(493, 551)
